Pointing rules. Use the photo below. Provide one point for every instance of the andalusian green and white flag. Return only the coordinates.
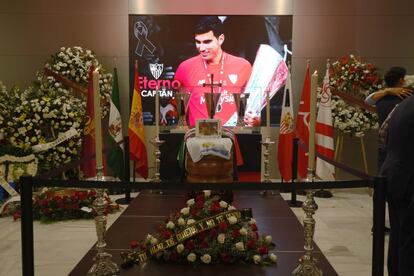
(116, 152)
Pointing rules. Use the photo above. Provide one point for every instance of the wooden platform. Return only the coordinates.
(272, 214)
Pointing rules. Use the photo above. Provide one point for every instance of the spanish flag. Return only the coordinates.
(137, 148)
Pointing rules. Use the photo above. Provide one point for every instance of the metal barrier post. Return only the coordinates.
(26, 189)
(379, 226)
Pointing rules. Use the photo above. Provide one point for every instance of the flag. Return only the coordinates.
(285, 145)
(88, 140)
(302, 125)
(116, 151)
(137, 148)
(324, 134)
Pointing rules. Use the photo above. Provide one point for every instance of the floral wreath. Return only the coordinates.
(39, 115)
(207, 231)
(357, 79)
(73, 63)
(52, 205)
(44, 111)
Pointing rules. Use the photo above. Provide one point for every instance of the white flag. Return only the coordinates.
(324, 134)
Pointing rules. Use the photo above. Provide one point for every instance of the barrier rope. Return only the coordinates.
(344, 167)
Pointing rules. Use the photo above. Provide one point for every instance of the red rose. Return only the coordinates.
(166, 234)
(202, 235)
(134, 244)
(223, 226)
(60, 204)
(83, 195)
(263, 250)
(251, 244)
(194, 212)
(235, 233)
(213, 232)
(225, 257)
(17, 215)
(200, 198)
(204, 244)
(190, 245)
(215, 207)
(43, 202)
(253, 227)
(199, 204)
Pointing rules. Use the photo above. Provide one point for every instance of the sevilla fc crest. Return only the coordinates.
(156, 69)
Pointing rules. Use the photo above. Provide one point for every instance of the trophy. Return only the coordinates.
(240, 101)
(211, 103)
(181, 99)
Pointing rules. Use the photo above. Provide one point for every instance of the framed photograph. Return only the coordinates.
(208, 128)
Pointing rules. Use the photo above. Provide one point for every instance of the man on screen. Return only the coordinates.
(230, 71)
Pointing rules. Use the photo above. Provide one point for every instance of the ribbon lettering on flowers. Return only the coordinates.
(190, 231)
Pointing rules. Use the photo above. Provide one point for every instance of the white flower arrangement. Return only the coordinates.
(41, 113)
(351, 119)
(352, 76)
(40, 120)
(73, 63)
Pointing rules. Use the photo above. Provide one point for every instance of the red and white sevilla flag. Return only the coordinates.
(286, 134)
(324, 135)
(302, 125)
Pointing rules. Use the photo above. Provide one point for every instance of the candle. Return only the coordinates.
(157, 112)
(268, 112)
(312, 122)
(97, 119)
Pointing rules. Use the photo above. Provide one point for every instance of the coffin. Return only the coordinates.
(209, 169)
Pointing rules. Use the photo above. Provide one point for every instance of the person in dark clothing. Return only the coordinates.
(398, 167)
(393, 78)
(385, 100)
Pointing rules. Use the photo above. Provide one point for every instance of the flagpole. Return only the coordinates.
(98, 127)
(312, 123)
(157, 112)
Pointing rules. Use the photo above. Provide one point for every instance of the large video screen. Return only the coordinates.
(175, 54)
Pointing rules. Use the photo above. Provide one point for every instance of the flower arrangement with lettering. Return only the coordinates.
(57, 205)
(353, 76)
(39, 115)
(207, 231)
(47, 111)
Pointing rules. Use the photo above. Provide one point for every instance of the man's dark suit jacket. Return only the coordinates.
(399, 164)
(385, 105)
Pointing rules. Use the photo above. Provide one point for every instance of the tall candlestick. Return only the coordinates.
(97, 119)
(268, 112)
(312, 121)
(157, 112)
